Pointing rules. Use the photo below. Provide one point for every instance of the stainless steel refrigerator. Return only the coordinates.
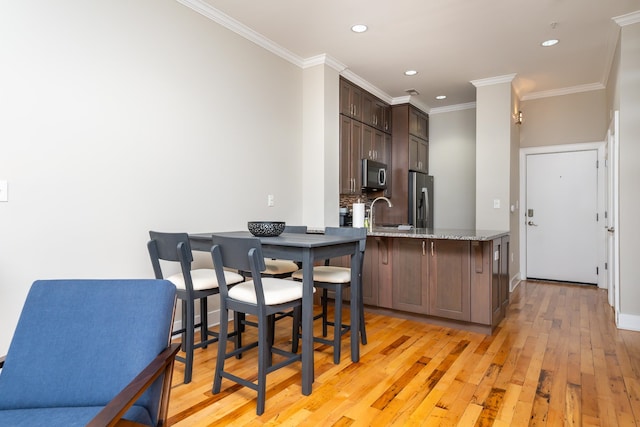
(420, 200)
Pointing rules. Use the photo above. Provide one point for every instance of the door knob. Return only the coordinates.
(532, 223)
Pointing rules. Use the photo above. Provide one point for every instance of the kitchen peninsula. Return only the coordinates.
(460, 276)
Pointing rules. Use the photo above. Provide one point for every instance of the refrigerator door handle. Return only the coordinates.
(427, 208)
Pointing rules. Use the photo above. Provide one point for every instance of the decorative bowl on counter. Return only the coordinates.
(266, 228)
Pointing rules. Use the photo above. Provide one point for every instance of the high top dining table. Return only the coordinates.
(306, 248)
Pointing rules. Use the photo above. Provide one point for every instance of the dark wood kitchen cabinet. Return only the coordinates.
(409, 152)
(373, 144)
(458, 279)
(376, 274)
(449, 282)
(376, 113)
(365, 126)
(410, 284)
(418, 154)
(418, 123)
(350, 100)
(350, 164)
(490, 280)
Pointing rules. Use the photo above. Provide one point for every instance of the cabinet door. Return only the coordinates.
(423, 155)
(368, 150)
(418, 154)
(410, 276)
(389, 161)
(369, 109)
(496, 299)
(373, 144)
(350, 140)
(384, 117)
(499, 280)
(350, 100)
(449, 282)
(504, 273)
(418, 124)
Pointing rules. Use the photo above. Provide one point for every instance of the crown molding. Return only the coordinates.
(324, 59)
(628, 19)
(451, 108)
(356, 79)
(563, 91)
(507, 78)
(228, 22)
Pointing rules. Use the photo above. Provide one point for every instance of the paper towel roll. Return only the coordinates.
(358, 215)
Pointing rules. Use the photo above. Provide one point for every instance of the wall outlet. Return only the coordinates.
(4, 195)
(496, 203)
(270, 200)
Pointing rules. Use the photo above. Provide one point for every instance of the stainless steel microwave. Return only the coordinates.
(374, 175)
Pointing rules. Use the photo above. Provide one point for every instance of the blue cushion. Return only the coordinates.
(79, 342)
(63, 417)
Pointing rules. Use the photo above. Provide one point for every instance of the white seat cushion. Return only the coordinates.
(279, 266)
(276, 291)
(328, 274)
(204, 278)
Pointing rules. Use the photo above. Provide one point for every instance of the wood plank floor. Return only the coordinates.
(555, 360)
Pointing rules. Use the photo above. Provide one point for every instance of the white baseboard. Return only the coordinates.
(629, 321)
(514, 282)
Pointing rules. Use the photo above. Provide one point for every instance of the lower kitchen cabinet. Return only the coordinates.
(462, 280)
(490, 281)
(410, 290)
(449, 285)
(376, 274)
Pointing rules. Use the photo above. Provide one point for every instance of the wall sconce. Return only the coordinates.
(518, 118)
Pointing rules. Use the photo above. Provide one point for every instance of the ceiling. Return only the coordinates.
(449, 42)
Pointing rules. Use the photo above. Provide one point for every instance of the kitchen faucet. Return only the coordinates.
(371, 210)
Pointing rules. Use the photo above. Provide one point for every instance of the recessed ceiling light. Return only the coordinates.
(550, 42)
(410, 73)
(440, 97)
(359, 28)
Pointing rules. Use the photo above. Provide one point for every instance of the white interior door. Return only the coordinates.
(612, 214)
(561, 215)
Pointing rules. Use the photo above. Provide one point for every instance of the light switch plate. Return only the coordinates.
(496, 203)
(4, 195)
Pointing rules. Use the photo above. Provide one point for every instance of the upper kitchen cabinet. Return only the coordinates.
(350, 155)
(350, 100)
(409, 151)
(365, 126)
(418, 124)
(418, 154)
(373, 144)
(376, 113)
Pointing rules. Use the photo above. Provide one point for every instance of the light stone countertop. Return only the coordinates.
(438, 233)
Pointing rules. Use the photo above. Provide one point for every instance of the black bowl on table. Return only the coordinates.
(266, 228)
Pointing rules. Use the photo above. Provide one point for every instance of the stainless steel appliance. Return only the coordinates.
(420, 200)
(374, 175)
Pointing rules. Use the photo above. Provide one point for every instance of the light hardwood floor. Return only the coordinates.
(556, 359)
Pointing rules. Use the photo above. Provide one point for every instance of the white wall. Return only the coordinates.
(567, 119)
(118, 117)
(493, 153)
(452, 162)
(629, 175)
(321, 154)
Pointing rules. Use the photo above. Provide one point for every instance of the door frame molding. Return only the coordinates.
(563, 148)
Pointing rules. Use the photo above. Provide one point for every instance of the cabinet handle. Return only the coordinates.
(432, 248)
(424, 252)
